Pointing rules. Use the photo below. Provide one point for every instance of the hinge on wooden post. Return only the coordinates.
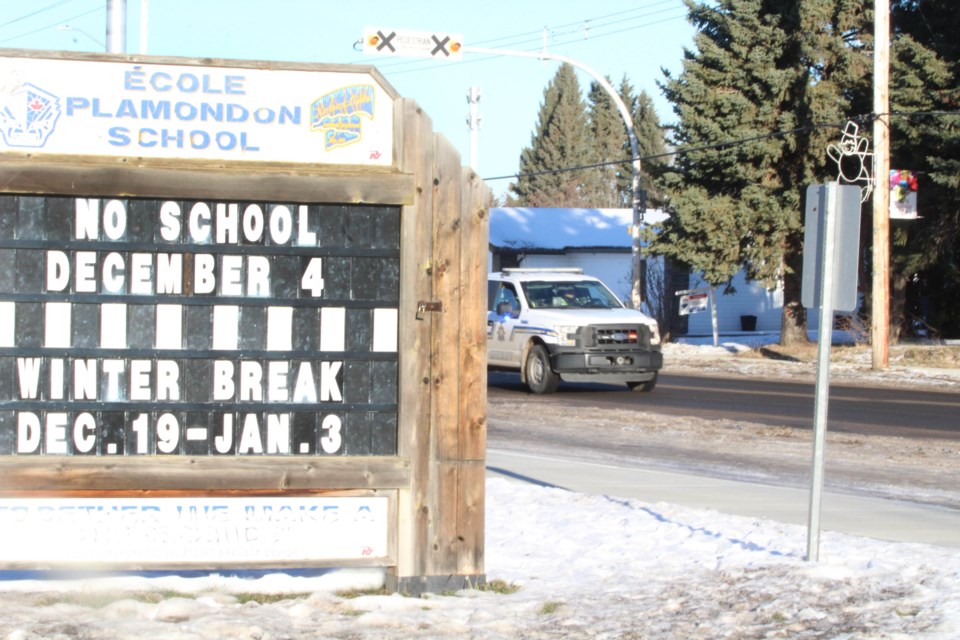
(423, 307)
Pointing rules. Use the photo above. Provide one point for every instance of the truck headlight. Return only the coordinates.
(566, 335)
(654, 333)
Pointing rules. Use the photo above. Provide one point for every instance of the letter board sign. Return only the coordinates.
(175, 327)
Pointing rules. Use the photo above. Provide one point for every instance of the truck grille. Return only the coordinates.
(616, 336)
(623, 336)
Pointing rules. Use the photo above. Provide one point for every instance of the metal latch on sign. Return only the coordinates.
(423, 307)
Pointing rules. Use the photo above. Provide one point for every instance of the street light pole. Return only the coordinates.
(635, 294)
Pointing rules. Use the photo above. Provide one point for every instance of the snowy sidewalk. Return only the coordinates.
(570, 566)
(891, 520)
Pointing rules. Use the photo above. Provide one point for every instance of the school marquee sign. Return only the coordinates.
(166, 327)
(240, 321)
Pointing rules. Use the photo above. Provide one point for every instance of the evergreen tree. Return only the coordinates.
(613, 145)
(561, 140)
(570, 135)
(760, 67)
(609, 135)
(650, 142)
(925, 138)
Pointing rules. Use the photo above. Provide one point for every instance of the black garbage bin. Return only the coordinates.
(748, 323)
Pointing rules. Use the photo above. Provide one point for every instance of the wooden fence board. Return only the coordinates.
(103, 178)
(472, 433)
(415, 376)
(471, 518)
(475, 233)
(445, 357)
(51, 473)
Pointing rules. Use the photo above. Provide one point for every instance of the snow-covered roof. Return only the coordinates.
(559, 228)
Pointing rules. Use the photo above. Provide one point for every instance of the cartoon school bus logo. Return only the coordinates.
(338, 114)
(28, 115)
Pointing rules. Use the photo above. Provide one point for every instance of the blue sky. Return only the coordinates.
(636, 38)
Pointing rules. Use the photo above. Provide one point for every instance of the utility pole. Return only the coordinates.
(116, 26)
(880, 307)
(473, 122)
(144, 20)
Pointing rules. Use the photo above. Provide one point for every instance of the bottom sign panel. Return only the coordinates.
(177, 531)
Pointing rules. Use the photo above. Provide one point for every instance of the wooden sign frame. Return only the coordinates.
(435, 482)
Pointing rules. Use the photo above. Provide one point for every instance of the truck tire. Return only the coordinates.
(644, 387)
(540, 377)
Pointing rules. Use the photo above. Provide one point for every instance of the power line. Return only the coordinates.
(676, 152)
(38, 11)
(419, 65)
(532, 39)
(619, 31)
(51, 26)
(535, 35)
(586, 27)
(910, 114)
(729, 143)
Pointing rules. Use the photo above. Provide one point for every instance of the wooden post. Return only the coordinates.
(445, 362)
(474, 230)
(880, 314)
(441, 527)
(415, 375)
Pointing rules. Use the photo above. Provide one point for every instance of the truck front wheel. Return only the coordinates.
(644, 386)
(540, 377)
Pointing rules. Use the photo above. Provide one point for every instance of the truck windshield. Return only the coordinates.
(578, 295)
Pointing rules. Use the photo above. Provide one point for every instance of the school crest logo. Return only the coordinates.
(338, 114)
(28, 116)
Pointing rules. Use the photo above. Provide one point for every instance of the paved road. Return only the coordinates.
(861, 410)
(905, 412)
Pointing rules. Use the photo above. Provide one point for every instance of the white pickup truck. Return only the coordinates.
(558, 324)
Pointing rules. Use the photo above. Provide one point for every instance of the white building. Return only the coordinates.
(599, 242)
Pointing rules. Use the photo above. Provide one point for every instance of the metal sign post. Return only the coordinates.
(713, 316)
(831, 245)
(822, 393)
(697, 300)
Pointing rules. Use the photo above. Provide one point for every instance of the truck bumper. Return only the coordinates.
(606, 366)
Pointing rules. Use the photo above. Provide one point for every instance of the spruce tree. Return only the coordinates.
(612, 144)
(759, 68)
(651, 145)
(925, 138)
(609, 135)
(560, 141)
(580, 155)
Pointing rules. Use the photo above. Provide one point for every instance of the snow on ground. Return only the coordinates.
(583, 566)
(577, 566)
(847, 365)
